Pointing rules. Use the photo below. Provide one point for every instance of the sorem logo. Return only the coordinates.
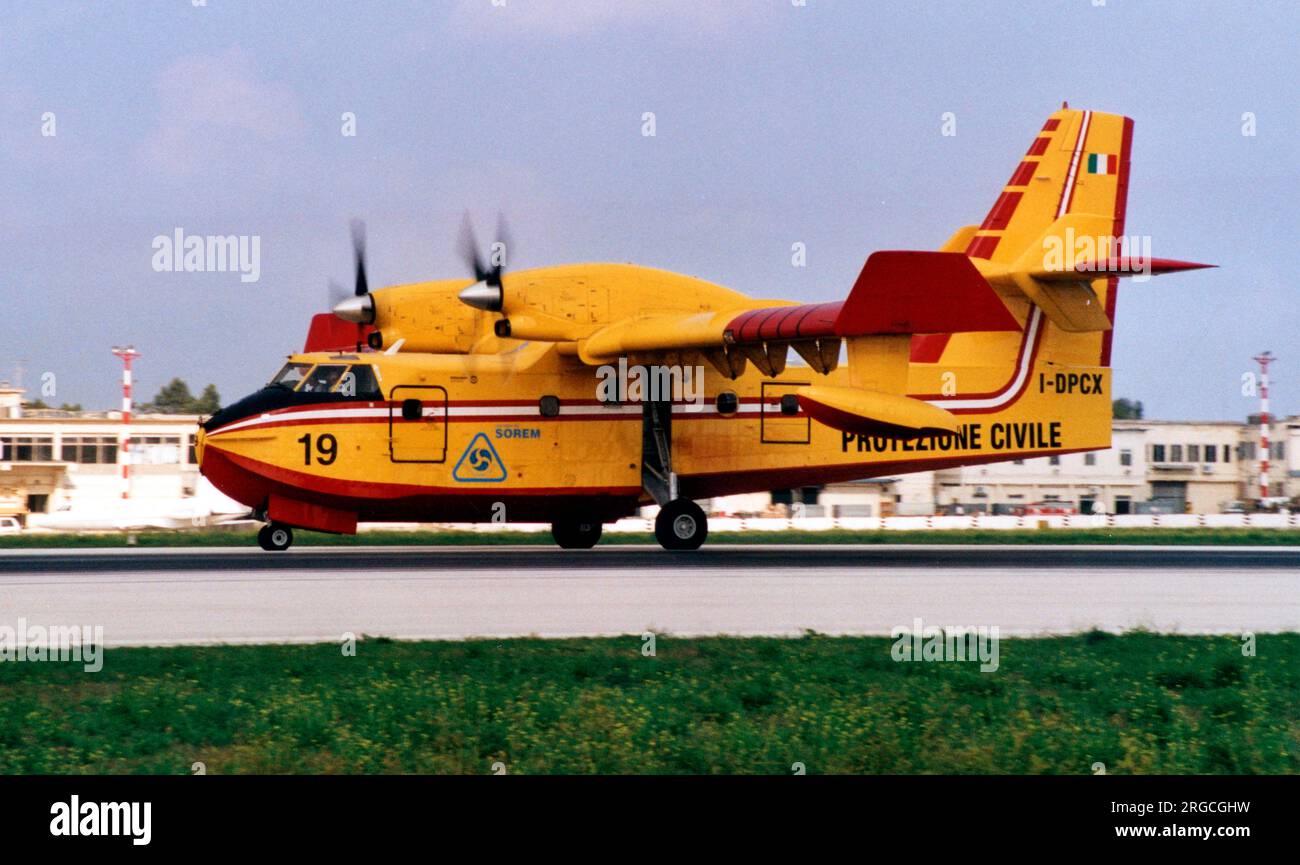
(1086, 253)
(209, 253)
(655, 383)
(931, 643)
(103, 818)
(64, 643)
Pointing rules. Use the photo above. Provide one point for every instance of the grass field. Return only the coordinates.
(230, 538)
(1139, 703)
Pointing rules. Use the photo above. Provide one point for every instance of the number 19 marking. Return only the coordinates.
(327, 448)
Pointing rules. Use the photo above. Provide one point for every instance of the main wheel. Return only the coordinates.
(275, 538)
(575, 534)
(681, 525)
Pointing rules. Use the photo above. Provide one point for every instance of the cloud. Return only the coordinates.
(565, 18)
(208, 103)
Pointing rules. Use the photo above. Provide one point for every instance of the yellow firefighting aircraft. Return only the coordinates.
(575, 395)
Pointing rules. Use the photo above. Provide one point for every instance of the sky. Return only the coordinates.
(775, 124)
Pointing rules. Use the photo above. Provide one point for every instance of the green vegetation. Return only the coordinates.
(1126, 409)
(1139, 703)
(245, 538)
(175, 398)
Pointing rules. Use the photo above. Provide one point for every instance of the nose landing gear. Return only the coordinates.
(274, 537)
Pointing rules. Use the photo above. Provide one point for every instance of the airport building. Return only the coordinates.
(50, 459)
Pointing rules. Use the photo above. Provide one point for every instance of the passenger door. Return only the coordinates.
(417, 424)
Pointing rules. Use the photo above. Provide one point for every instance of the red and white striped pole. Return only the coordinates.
(1265, 450)
(127, 355)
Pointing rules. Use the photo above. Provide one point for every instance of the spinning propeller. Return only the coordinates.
(360, 308)
(486, 292)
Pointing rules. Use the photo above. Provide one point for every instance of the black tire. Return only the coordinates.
(275, 538)
(576, 534)
(681, 525)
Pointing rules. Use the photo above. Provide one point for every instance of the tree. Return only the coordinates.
(175, 398)
(209, 402)
(1126, 409)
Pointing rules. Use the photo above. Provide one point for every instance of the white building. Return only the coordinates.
(51, 458)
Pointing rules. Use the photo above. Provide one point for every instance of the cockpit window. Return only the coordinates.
(323, 377)
(359, 381)
(291, 374)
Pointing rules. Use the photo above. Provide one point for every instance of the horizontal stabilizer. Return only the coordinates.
(873, 413)
(921, 292)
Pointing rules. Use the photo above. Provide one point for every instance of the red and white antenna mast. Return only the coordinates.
(127, 354)
(1264, 449)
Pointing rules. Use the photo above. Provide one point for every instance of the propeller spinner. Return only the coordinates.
(486, 292)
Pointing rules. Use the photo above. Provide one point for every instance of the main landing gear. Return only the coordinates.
(575, 534)
(274, 537)
(681, 525)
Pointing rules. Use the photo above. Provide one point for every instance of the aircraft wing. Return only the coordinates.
(897, 293)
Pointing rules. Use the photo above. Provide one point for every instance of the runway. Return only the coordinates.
(238, 595)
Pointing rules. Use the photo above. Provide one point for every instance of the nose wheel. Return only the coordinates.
(576, 535)
(275, 538)
(681, 525)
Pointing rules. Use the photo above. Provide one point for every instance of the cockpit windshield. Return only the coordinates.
(350, 380)
(359, 381)
(291, 375)
(322, 378)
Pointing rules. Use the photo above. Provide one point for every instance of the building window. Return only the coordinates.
(88, 450)
(1211, 453)
(1126, 457)
(1175, 453)
(1279, 450)
(27, 449)
(1157, 453)
(1089, 459)
(156, 450)
(1193, 453)
(1227, 453)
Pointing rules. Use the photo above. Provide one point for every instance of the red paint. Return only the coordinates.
(328, 332)
(1121, 211)
(1039, 147)
(304, 515)
(806, 321)
(921, 292)
(929, 347)
(982, 247)
(1051, 124)
(1001, 212)
(1024, 173)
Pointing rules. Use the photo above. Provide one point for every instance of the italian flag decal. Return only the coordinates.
(1102, 163)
